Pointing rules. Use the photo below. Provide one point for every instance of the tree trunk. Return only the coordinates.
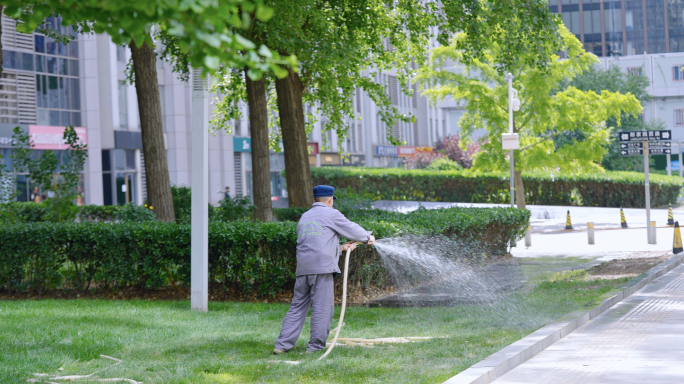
(149, 107)
(519, 190)
(261, 164)
(291, 111)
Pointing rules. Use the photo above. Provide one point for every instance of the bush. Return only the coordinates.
(443, 164)
(17, 212)
(608, 189)
(244, 256)
(235, 208)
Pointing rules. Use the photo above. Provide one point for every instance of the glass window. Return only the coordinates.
(65, 118)
(43, 117)
(677, 74)
(27, 62)
(40, 63)
(51, 45)
(107, 188)
(119, 159)
(123, 106)
(73, 48)
(53, 92)
(62, 92)
(52, 65)
(61, 49)
(63, 67)
(54, 118)
(130, 159)
(76, 119)
(73, 67)
(678, 117)
(39, 92)
(75, 94)
(120, 54)
(39, 43)
(106, 161)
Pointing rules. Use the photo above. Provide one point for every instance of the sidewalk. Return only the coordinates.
(639, 340)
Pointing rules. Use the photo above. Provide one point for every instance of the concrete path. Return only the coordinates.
(639, 340)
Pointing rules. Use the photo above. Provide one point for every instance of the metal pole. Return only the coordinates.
(669, 164)
(648, 194)
(199, 240)
(679, 156)
(510, 130)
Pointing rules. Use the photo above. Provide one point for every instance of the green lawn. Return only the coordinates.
(164, 342)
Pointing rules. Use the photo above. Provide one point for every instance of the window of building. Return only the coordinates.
(162, 101)
(123, 106)
(678, 117)
(678, 73)
(635, 71)
(119, 176)
(120, 54)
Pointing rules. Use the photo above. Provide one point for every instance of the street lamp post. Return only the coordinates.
(510, 140)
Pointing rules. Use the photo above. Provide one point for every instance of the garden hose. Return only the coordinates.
(344, 304)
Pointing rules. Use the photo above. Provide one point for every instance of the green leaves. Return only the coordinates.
(601, 189)
(206, 32)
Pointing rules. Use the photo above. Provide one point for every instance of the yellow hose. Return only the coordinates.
(344, 304)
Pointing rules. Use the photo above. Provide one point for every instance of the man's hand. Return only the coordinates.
(350, 245)
(371, 240)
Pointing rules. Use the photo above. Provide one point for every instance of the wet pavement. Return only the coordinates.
(639, 340)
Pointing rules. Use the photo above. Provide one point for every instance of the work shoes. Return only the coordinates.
(277, 351)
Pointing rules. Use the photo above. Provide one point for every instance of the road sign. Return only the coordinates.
(659, 151)
(637, 144)
(665, 135)
(640, 151)
(660, 144)
(632, 152)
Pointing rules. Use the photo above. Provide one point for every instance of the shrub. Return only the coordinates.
(443, 164)
(607, 189)
(244, 256)
(235, 208)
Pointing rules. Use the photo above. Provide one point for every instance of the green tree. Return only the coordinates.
(341, 45)
(205, 32)
(549, 109)
(614, 80)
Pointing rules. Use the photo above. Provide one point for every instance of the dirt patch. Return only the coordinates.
(630, 266)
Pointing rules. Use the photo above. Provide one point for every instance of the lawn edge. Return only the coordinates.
(497, 364)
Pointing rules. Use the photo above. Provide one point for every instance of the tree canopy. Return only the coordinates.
(549, 109)
(207, 32)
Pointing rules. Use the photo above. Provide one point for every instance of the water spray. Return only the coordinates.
(344, 303)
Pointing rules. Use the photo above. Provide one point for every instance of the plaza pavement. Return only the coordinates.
(639, 340)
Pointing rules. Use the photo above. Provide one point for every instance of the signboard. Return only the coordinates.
(313, 148)
(386, 150)
(640, 144)
(406, 151)
(674, 165)
(52, 138)
(242, 144)
(645, 136)
(356, 160)
(640, 151)
(330, 159)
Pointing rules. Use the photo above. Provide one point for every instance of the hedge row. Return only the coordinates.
(244, 256)
(608, 189)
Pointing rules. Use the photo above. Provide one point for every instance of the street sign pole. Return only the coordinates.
(199, 231)
(510, 130)
(648, 194)
(679, 156)
(669, 164)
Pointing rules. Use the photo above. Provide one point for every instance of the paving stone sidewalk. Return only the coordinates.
(639, 340)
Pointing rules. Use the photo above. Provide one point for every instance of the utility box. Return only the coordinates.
(510, 141)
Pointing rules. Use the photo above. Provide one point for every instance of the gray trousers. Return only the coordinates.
(317, 292)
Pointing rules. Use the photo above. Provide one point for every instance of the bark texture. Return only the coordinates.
(261, 164)
(291, 111)
(149, 108)
(519, 190)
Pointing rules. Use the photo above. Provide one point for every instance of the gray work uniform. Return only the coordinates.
(318, 252)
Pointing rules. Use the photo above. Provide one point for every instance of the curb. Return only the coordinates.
(496, 365)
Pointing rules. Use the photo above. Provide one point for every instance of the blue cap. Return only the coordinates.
(324, 191)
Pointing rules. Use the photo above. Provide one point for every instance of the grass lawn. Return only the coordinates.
(164, 342)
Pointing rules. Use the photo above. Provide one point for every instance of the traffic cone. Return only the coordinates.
(677, 243)
(623, 222)
(568, 222)
(670, 218)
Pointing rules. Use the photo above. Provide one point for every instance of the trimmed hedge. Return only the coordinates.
(244, 256)
(608, 189)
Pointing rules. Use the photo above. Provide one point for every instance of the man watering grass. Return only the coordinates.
(318, 252)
